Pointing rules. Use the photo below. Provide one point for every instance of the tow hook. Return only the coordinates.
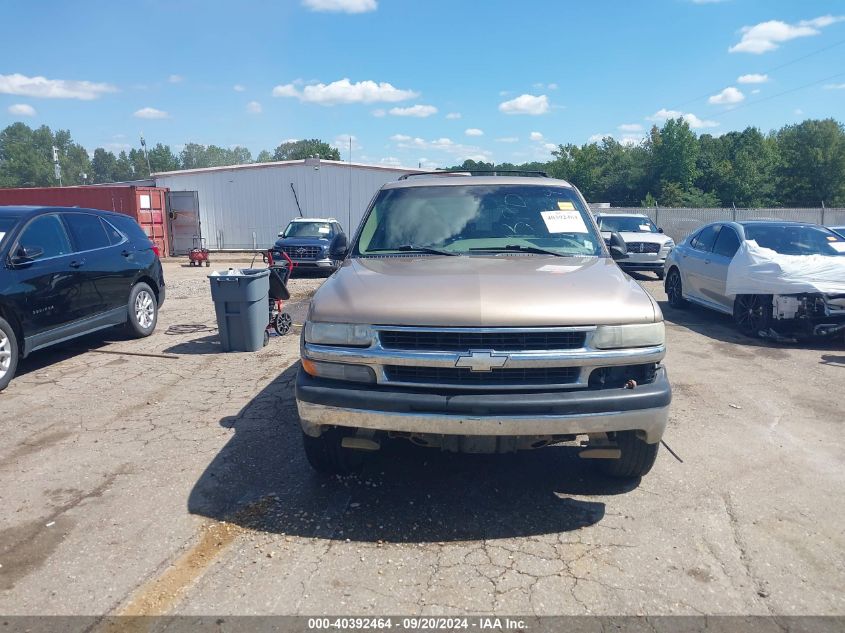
(360, 442)
(599, 447)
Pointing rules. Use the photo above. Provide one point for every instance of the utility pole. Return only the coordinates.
(349, 210)
(56, 167)
(147, 156)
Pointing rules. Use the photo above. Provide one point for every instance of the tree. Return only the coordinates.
(162, 158)
(103, 166)
(123, 168)
(812, 163)
(264, 157)
(675, 150)
(26, 156)
(297, 150)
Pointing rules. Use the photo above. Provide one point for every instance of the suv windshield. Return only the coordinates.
(626, 224)
(308, 229)
(796, 239)
(6, 225)
(464, 218)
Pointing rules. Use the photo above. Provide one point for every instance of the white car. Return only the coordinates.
(647, 245)
(777, 279)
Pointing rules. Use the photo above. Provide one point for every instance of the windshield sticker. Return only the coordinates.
(324, 229)
(645, 227)
(564, 222)
(556, 268)
(839, 247)
(2, 235)
(565, 205)
(831, 238)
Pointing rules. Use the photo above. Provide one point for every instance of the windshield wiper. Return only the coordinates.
(412, 248)
(521, 248)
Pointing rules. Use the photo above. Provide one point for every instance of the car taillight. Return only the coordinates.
(156, 251)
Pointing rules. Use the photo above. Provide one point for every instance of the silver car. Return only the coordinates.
(647, 245)
(697, 271)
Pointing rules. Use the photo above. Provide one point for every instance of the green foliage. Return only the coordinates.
(307, 148)
(812, 163)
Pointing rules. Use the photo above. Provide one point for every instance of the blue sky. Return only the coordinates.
(429, 82)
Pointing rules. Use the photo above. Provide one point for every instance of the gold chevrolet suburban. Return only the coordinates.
(482, 314)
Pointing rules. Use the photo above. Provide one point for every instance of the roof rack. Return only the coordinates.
(477, 172)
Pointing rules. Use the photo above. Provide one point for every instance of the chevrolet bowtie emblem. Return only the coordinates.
(482, 361)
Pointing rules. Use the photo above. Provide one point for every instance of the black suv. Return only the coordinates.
(65, 272)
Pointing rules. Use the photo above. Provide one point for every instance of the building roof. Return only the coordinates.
(316, 162)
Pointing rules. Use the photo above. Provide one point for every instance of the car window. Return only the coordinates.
(115, 236)
(469, 218)
(705, 239)
(308, 229)
(45, 233)
(796, 239)
(626, 224)
(86, 231)
(727, 243)
(6, 226)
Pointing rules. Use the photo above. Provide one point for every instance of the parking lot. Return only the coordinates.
(161, 476)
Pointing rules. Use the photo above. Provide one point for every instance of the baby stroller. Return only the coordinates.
(280, 272)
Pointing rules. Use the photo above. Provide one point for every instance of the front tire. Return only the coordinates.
(326, 455)
(143, 311)
(636, 460)
(675, 290)
(753, 314)
(9, 353)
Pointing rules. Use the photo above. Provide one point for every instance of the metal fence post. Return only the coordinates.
(823, 210)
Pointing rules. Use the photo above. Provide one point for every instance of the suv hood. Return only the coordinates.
(482, 291)
(302, 241)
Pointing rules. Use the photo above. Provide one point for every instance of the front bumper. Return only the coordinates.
(331, 403)
(313, 263)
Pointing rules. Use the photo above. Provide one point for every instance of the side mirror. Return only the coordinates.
(660, 230)
(25, 255)
(281, 234)
(339, 249)
(618, 248)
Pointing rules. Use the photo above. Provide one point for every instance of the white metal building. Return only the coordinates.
(245, 206)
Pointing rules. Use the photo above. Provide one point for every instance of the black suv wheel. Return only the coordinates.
(8, 353)
(327, 455)
(636, 460)
(143, 311)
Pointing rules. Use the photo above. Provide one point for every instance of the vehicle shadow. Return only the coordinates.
(719, 326)
(832, 359)
(405, 493)
(44, 358)
(643, 276)
(204, 345)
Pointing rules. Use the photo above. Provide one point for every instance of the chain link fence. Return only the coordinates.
(677, 223)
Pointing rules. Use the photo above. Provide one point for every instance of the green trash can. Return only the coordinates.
(240, 298)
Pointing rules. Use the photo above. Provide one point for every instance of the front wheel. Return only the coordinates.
(675, 290)
(636, 460)
(143, 311)
(327, 455)
(752, 313)
(8, 353)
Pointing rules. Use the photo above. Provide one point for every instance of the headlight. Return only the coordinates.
(338, 334)
(669, 244)
(639, 335)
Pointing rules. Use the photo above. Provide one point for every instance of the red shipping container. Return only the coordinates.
(148, 205)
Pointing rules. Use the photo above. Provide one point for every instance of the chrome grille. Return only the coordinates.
(456, 376)
(643, 247)
(462, 341)
(303, 252)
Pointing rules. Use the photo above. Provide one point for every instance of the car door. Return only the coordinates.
(43, 267)
(105, 266)
(715, 273)
(696, 259)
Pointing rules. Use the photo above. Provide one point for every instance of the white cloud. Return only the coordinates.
(453, 115)
(755, 91)
(41, 87)
(379, 112)
(443, 144)
(341, 6)
(419, 111)
(151, 113)
(767, 36)
(253, 107)
(21, 109)
(550, 146)
(508, 139)
(834, 87)
(175, 79)
(474, 131)
(536, 136)
(239, 88)
(341, 142)
(753, 78)
(630, 127)
(728, 96)
(542, 86)
(400, 138)
(597, 138)
(390, 161)
(526, 104)
(344, 91)
(799, 111)
(694, 122)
